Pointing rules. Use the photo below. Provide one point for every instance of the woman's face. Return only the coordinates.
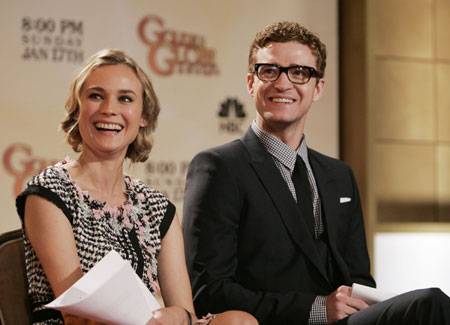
(111, 111)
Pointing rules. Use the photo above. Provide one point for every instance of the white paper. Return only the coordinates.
(111, 293)
(369, 295)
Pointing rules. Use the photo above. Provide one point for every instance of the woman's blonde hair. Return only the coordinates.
(140, 148)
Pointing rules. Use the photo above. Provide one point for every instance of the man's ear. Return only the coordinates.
(318, 90)
(250, 81)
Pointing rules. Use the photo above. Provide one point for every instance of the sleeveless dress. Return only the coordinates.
(134, 230)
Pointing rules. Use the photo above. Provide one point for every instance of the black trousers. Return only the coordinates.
(424, 306)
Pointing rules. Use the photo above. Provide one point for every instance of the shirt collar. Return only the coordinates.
(280, 150)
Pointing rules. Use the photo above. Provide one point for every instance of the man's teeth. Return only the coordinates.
(108, 126)
(282, 100)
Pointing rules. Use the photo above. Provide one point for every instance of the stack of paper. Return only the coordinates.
(369, 295)
(111, 293)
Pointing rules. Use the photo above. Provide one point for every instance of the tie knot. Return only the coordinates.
(300, 170)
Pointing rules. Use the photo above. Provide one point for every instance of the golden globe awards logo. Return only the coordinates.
(175, 52)
(19, 162)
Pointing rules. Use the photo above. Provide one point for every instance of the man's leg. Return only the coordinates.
(424, 306)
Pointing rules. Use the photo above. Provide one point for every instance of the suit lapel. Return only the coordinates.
(329, 196)
(277, 189)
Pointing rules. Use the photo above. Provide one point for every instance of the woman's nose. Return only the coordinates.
(109, 107)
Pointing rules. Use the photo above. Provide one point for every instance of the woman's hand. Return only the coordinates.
(170, 315)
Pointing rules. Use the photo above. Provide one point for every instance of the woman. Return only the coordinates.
(76, 211)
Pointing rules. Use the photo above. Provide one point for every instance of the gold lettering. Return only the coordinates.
(170, 49)
(143, 27)
(170, 61)
(18, 162)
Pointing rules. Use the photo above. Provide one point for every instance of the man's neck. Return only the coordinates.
(291, 135)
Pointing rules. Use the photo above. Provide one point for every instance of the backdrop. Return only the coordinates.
(195, 53)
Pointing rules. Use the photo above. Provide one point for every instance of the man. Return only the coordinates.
(273, 227)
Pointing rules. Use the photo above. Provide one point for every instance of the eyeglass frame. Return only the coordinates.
(312, 72)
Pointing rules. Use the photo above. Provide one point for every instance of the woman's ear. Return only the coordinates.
(76, 114)
(143, 123)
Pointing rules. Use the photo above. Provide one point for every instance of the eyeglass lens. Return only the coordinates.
(296, 74)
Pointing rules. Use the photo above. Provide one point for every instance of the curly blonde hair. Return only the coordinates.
(286, 31)
(139, 149)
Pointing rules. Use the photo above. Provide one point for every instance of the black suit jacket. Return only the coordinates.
(247, 246)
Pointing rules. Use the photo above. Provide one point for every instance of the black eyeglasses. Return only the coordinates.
(298, 74)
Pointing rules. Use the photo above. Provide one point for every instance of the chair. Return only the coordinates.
(14, 305)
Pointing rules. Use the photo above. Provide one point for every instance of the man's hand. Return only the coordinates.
(340, 304)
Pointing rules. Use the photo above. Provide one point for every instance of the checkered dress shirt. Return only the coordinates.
(284, 158)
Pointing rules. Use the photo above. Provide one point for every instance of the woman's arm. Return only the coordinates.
(173, 279)
(51, 236)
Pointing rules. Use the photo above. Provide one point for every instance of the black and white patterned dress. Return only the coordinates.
(134, 230)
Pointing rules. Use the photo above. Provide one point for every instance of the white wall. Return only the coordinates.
(408, 261)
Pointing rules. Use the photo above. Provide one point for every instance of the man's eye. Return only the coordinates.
(300, 73)
(269, 71)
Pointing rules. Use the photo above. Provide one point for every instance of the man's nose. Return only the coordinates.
(282, 83)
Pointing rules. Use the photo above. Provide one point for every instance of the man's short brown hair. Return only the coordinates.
(284, 32)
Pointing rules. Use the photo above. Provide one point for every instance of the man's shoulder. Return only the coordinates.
(327, 160)
(229, 150)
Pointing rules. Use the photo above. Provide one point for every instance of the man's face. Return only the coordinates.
(281, 104)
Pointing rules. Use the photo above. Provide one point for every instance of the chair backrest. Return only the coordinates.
(14, 304)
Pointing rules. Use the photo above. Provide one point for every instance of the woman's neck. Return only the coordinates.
(102, 179)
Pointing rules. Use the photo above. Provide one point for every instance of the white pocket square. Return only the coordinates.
(344, 199)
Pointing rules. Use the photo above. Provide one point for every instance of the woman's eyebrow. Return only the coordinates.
(127, 91)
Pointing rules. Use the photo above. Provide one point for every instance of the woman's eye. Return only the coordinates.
(94, 96)
(126, 99)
